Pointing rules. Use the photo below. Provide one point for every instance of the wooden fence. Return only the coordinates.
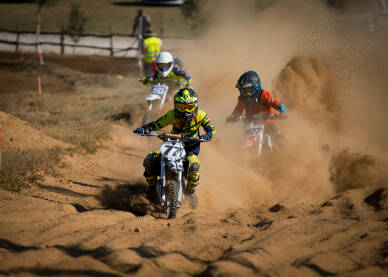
(62, 44)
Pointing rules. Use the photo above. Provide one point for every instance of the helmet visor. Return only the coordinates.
(183, 107)
(247, 91)
(164, 66)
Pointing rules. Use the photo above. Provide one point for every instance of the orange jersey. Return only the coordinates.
(264, 105)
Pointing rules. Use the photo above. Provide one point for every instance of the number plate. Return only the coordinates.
(172, 151)
(159, 90)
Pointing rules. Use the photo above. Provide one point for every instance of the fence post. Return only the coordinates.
(62, 41)
(17, 38)
(111, 41)
(140, 47)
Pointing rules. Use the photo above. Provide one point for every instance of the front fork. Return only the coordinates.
(161, 184)
(260, 145)
(149, 105)
(163, 100)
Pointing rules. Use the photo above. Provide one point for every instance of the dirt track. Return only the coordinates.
(319, 207)
(85, 224)
(74, 226)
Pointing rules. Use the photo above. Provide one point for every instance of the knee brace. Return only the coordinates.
(194, 173)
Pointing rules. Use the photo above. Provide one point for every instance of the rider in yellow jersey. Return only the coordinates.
(186, 119)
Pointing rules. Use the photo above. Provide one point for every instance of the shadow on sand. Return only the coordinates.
(135, 198)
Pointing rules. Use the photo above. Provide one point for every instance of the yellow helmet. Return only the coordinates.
(186, 104)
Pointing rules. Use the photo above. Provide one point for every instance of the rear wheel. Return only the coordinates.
(172, 196)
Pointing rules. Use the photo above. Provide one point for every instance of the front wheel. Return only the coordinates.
(172, 198)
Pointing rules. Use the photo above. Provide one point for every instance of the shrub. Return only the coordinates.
(77, 21)
(89, 146)
(21, 168)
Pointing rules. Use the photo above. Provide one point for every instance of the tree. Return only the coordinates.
(192, 9)
(41, 4)
(76, 23)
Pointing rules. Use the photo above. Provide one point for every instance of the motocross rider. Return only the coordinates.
(167, 73)
(256, 101)
(185, 119)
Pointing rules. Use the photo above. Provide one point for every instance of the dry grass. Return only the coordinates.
(80, 116)
(19, 169)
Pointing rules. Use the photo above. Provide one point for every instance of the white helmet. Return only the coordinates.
(165, 63)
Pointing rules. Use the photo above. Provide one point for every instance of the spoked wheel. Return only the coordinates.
(172, 196)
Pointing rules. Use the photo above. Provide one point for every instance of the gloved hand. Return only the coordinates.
(206, 137)
(149, 79)
(141, 130)
(146, 80)
(231, 118)
(283, 112)
(186, 84)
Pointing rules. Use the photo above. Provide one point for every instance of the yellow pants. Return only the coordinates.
(152, 166)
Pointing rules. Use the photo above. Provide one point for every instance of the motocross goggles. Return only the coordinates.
(247, 91)
(164, 66)
(184, 107)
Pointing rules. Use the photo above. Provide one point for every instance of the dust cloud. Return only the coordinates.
(331, 79)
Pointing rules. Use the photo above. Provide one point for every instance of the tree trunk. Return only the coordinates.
(38, 49)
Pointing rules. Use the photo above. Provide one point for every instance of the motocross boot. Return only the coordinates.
(194, 200)
(193, 178)
(191, 193)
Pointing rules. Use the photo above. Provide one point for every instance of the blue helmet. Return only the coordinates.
(249, 84)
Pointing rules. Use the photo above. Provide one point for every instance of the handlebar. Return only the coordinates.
(260, 118)
(167, 136)
(257, 118)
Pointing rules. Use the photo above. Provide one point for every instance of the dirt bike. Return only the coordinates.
(256, 137)
(158, 93)
(173, 178)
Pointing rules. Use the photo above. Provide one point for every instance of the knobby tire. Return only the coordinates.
(173, 198)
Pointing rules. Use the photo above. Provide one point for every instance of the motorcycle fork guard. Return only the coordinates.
(161, 185)
(163, 100)
(150, 104)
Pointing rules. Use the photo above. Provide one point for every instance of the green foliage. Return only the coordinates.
(76, 22)
(89, 146)
(21, 168)
(191, 9)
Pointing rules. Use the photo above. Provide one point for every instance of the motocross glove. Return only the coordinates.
(283, 112)
(146, 80)
(206, 137)
(186, 84)
(141, 130)
(282, 108)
